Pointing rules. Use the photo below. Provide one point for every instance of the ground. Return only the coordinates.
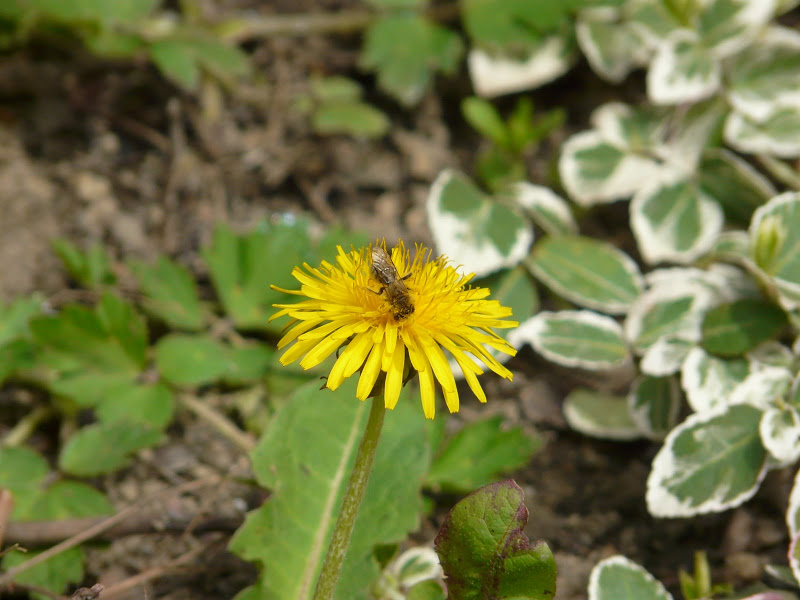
(112, 153)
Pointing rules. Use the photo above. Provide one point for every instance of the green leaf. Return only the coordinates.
(357, 119)
(309, 470)
(147, 404)
(91, 268)
(15, 316)
(54, 574)
(766, 74)
(335, 89)
(485, 553)
(581, 339)
(105, 447)
(176, 60)
(775, 135)
(426, 590)
(472, 229)
(243, 267)
(709, 381)
(780, 434)
(513, 25)
(613, 47)
(727, 26)
(405, 50)
(547, 209)
(600, 415)
(182, 59)
(733, 328)
(192, 360)
(249, 363)
(617, 578)
(68, 500)
(123, 11)
(22, 472)
(654, 404)
(485, 118)
(733, 183)
(588, 272)
(682, 70)
(709, 463)
(78, 345)
(170, 294)
(397, 4)
(479, 453)
(673, 220)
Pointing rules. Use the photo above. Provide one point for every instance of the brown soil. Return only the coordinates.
(111, 153)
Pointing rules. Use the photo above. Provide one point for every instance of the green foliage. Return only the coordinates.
(91, 269)
(170, 294)
(477, 454)
(485, 553)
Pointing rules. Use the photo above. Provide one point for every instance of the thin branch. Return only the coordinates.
(219, 421)
(7, 577)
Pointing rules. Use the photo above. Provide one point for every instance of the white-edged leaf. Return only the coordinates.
(673, 220)
(587, 272)
(708, 381)
(594, 171)
(709, 463)
(696, 129)
(793, 510)
(732, 245)
(600, 415)
(472, 229)
(665, 356)
(497, 75)
(682, 70)
(654, 405)
(732, 182)
(794, 556)
(766, 74)
(612, 46)
(618, 578)
(782, 263)
(770, 354)
(763, 387)
(547, 209)
(639, 128)
(728, 26)
(780, 434)
(582, 339)
(778, 134)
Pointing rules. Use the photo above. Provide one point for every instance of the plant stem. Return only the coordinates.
(351, 502)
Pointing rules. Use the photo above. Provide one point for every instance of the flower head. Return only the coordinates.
(394, 315)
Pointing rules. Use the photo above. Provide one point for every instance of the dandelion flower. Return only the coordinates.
(394, 316)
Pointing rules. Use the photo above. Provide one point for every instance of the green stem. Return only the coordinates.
(351, 503)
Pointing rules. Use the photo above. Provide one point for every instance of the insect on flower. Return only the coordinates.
(397, 295)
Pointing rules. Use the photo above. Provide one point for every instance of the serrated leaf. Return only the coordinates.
(79, 344)
(654, 404)
(90, 268)
(105, 447)
(479, 453)
(588, 272)
(709, 463)
(183, 58)
(176, 60)
(472, 229)
(14, 317)
(149, 404)
(485, 553)
(22, 472)
(775, 135)
(497, 74)
(594, 170)
(357, 119)
(170, 294)
(406, 50)
(68, 500)
(782, 264)
(547, 209)
(674, 220)
(733, 328)
(582, 339)
(242, 274)
(766, 74)
(54, 574)
(600, 415)
(733, 183)
(618, 578)
(709, 381)
(192, 360)
(682, 70)
(304, 468)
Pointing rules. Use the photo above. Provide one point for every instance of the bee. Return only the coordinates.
(397, 295)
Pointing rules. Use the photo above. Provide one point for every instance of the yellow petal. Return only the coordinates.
(370, 372)
(394, 376)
